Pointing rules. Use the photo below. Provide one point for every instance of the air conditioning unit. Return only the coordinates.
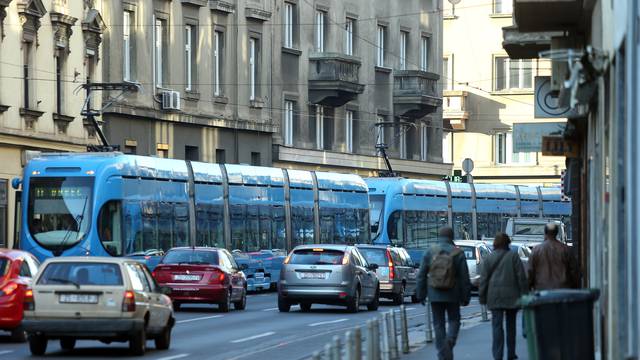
(170, 100)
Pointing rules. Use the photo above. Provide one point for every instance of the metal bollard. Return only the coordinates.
(428, 327)
(369, 340)
(404, 330)
(393, 336)
(349, 345)
(376, 339)
(316, 356)
(328, 351)
(485, 316)
(357, 340)
(386, 350)
(337, 348)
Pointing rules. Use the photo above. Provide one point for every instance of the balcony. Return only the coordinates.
(455, 109)
(333, 79)
(415, 93)
(548, 15)
(526, 45)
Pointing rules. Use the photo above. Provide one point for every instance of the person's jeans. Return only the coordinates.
(497, 319)
(446, 340)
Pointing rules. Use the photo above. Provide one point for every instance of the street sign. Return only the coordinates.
(453, 178)
(527, 137)
(546, 101)
(467, 165)
(558, 146)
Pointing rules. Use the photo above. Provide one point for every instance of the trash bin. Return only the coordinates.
(559, 324)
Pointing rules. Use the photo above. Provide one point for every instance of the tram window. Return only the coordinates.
(462, 226)
(489, 224)
(110, 227)
(302, 225)
(364, 234)
(422, 227)
(209, 225)
(149, 226)
(165, 226)
(278, 232)
(327, 224)
(252, 234)
(132, 227)
(394, 228)
(181, 225)
(238, 226)
(351, 226)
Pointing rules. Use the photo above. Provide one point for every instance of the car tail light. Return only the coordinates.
(28, 302)
(392, 274)
(129, 301)
(217, 277)
(345, 259)
(10, 288)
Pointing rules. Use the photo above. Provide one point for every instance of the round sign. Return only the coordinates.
(467, 165)
(454, 2)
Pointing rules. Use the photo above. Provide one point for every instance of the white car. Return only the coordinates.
(474, 251)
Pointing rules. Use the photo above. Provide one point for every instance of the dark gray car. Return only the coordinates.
(396, 271)
(327, 274)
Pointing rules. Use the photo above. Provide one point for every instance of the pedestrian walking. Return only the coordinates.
(551, 264)
(444, 278)
(502, 282)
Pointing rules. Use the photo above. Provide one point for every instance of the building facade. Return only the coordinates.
(486, 93)
(47, 50)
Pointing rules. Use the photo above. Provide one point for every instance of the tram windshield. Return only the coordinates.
(59, 210)
(377, 205)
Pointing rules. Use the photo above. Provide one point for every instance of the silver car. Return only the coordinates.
(328, 274)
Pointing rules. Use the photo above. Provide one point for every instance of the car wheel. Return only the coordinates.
(138, 343)
(18, 334)
(283, 305)
(354, 305)
(375, 303)
(37, 344)
(398, 299)
(67, 343)
(225, 306)
(163, 341)
(305, 307)
(242, 304)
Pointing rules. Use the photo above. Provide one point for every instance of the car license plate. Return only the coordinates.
(259, 275)
(79, 298)
(186, 277)
(313, 275)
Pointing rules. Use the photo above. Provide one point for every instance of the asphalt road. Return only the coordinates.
(259, 332)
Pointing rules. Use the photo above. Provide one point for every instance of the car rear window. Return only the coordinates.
(193, 257)
(81, 273)
(375, 256)
(316, 257)
(4, 266)
(469, 252)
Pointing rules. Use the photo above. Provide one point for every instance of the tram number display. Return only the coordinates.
(77, 192)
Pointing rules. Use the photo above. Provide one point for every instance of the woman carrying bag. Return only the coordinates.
(502, 282)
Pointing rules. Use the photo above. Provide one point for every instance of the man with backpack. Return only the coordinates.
(444, 278)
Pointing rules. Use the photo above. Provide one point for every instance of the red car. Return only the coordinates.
(202, 275)
(16, 271)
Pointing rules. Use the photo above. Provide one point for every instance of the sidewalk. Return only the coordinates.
(474, 342)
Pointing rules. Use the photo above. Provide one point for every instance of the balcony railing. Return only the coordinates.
(333, 79)
(455, 109)
(415, 93)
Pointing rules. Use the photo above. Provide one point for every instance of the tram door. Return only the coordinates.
(17, 219)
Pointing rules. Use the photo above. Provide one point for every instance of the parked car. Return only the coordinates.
(17, 268)
(531, 230)
(96, 298)
(150, 257)
(396, 271)
(475, 252)
(328, 274)
(203, 275)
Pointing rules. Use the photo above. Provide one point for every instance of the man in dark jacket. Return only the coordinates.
(445, 300)
(551, 265)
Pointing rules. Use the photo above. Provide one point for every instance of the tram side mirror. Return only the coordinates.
(15, 183)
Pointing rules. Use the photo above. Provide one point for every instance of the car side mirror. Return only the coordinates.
(373, 267)
(165, 290)
(244, 267)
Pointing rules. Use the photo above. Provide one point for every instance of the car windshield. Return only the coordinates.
(375, 256)
(4, 266)
(193, 257)
(59, 210)
(316, 257)
(469, 252)
(81, 273)
(529, 229)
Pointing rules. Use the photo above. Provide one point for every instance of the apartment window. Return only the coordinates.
(447, 71)
(349, 28)
(218, 57)
(349, 130)
(127, 45)
(190, 41)
(159, 53)
(380, 130)
(319, 127)
(191, 153)
(254, 66)
(130, 149)
(255, 159)
(512, 74)
(60, 65)
(287, 126)
(424, 53)
(320, 30)
(162, 150)
(523, 157)
(424, 142)
(380, 42)
(502, 6)
(27, 82)
(404, 38)
(403, 141)
(220, 156)
(289, 9)
(501, 148)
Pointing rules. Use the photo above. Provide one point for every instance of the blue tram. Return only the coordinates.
(408, 212)
(114, 204)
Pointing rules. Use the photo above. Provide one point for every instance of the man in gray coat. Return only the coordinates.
(445, 300)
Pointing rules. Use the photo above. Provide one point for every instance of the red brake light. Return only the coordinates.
(10, 288)
(391, 269)
(28, 302)
(129, 301)
(217, 277)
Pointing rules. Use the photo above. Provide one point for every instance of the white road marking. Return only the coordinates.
(179, 356)
(327, 322)
(410, 308)
(270, 309)
(253, 337)
(198, 319)
(5, 352)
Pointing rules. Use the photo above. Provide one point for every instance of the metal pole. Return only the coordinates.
(428, 328)
(349, 345)
(376, 339)
(404, 330)
(393, 335)
(386, 349)
(337, 348)
(357, 350)
(485, 316)
(369, 340)
(328, 351)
